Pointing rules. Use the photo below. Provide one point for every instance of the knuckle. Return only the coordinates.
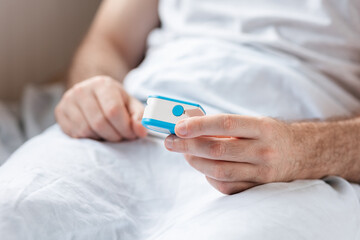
(112, 111)
(228, 122)
(266, 154)
(101, 80)
(99, 123)
(217, 149)
(76, 91)
(77, 88)
(68, 95)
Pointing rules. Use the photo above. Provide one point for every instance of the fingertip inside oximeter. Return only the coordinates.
(162, 113)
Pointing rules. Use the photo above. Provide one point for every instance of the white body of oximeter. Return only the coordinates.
(161, 113)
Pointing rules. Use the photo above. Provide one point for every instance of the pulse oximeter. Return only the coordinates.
(161, 113)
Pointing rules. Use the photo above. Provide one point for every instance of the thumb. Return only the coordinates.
(136, 111)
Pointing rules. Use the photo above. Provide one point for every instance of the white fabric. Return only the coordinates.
(11, 136)
(37, 107)
(285, 58)
(30, 117)
(55, 187)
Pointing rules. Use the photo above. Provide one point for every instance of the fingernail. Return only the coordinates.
(169, 142)
(181, 128)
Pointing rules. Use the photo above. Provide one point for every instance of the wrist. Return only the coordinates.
(312, 145)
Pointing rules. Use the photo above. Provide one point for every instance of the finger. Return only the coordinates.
(139, 129)
(225, 171)
(229, 149)
(90, 108)
(113, 104)
(229, 188)
(63, 121)
(136, 110)
(219, 125)
(80, 126)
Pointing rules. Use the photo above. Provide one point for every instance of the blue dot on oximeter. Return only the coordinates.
(178, 110)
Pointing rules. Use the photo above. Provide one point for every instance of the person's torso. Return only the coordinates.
(284, 58)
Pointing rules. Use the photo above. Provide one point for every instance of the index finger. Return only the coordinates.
(230, 125)
(113, 105)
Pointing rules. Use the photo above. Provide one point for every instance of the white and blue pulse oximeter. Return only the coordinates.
(161, 113)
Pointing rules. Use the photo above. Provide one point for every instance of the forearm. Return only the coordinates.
(97, 56)
(328, 148)
(116, 41)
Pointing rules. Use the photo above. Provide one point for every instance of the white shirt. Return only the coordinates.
(291, 59)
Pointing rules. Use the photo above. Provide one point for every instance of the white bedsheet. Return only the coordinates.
(55, 187)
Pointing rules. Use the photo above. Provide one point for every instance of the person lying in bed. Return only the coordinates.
(281, 81)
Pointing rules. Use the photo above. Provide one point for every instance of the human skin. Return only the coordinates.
(239, 152)
(242, 151)
(96, 105)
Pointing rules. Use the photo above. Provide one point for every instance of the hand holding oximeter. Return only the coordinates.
(161, 113)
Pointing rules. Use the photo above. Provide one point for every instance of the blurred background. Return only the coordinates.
(37, 40)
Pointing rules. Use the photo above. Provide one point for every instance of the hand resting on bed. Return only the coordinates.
(99, 108)
(238, 152)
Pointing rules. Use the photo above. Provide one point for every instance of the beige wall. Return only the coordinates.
(37, 39)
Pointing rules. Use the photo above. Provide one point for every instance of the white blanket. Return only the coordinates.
(55, 187)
